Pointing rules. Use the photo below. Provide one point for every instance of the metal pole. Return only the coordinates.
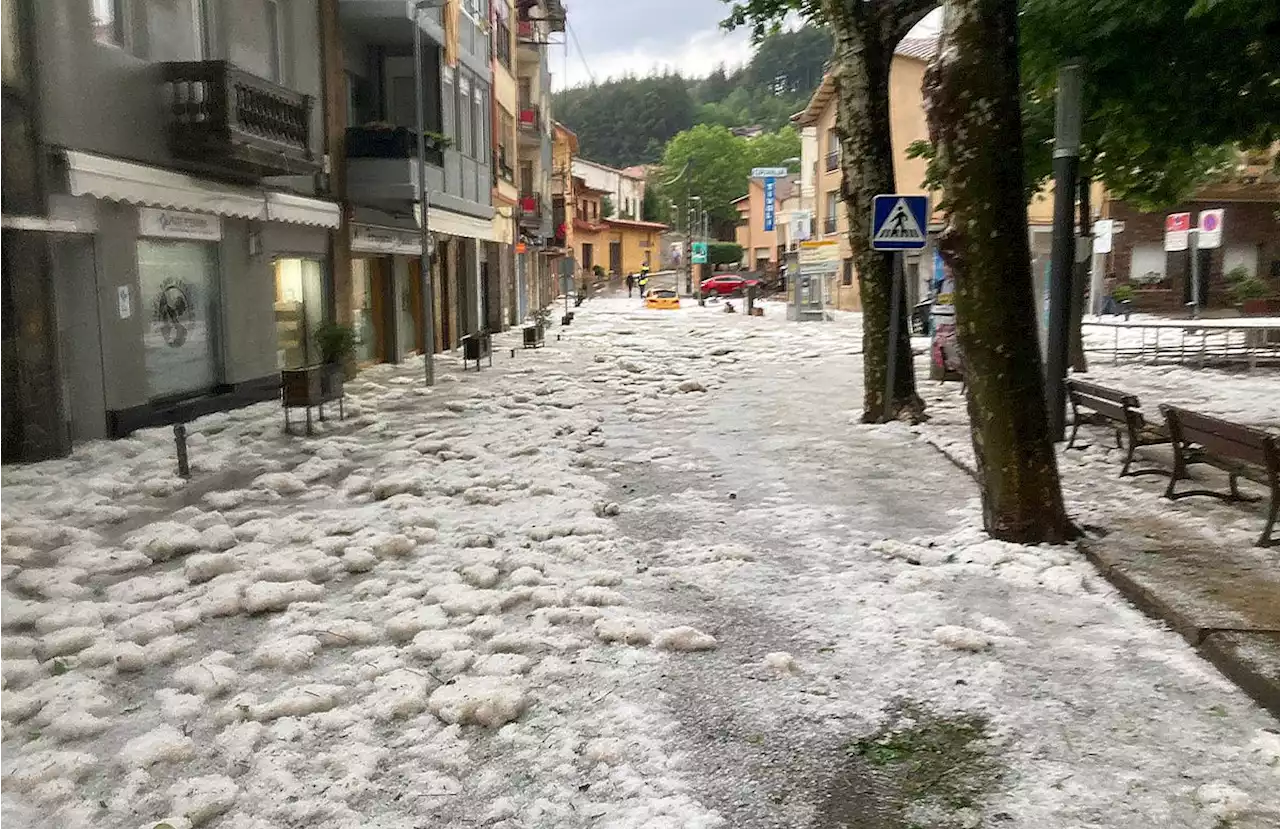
(1193, 245)
(1066, 169)
(180, 443)
(895, 324)
(424, 237)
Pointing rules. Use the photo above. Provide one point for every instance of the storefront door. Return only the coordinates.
(299, 311)
(179, 285)
(370, 280)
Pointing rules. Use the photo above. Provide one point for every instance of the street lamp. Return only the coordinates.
(694, 212)
(424, 236)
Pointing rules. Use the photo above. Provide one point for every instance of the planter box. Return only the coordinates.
(477, 347)
(312, 386)
(534, 336)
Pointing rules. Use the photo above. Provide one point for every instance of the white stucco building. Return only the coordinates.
(625, 189)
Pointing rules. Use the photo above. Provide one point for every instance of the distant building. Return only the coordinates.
(624, 188)
(618, 246)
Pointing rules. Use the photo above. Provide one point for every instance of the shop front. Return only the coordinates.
(180, 297)
(386, 292)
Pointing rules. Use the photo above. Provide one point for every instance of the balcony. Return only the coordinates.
(530, 123)
(530, 210)
(833, 160)
(225, 121)
(382, 163)
(829, 226)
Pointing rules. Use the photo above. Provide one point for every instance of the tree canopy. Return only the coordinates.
(1168, 83)
(711, 162)
(777, 82)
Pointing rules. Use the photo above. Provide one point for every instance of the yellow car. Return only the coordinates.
(663, 299)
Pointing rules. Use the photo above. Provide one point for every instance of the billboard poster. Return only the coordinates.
(944, 348)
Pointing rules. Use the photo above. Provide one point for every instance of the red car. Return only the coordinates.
(727, 285)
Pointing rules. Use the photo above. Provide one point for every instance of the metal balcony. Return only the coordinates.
(531, 210)
(530, 123)
(227, 122)
(382, 164)
(829, 225)
(833, 160)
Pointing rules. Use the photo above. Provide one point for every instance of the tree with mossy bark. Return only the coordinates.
(975, 123)
(865, 34)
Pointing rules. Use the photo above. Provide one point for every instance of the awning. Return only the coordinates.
(449, 223)
(123, 181)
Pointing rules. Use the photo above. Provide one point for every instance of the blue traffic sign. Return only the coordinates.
(770, 194)
(899, 222)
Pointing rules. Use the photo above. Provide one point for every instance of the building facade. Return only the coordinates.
(505, 194)
(763, 251)
(820, 157)
(179, 230)
(383, 291)
(564, 148)
(538, 22)
(623, 188)
(611, 248)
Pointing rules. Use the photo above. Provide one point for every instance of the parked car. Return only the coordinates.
(663, 299)
(725, 284)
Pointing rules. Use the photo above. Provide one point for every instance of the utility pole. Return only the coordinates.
(1066, 170)
(424, 235)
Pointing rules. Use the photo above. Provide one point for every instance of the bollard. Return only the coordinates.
(180, 442)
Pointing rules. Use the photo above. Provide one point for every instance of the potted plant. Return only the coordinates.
(337, 345)
(1123, 295)
(1248, 291)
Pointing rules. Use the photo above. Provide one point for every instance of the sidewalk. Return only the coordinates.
(1191, 564)
(1223, 600)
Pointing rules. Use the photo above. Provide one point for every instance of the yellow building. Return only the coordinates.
(564, 146)
(821, 174)
(618, 246)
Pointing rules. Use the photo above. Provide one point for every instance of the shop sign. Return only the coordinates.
(178, 224)
(369, 239)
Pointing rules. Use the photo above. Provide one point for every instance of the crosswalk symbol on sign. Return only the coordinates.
(900, 227)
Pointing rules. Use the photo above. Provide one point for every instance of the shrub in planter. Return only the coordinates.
(337, 345)
(598, 270)
(1122, 293)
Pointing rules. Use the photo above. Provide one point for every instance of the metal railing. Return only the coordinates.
(390, 142)
(221, 115)
(833, 160)
(829, 225)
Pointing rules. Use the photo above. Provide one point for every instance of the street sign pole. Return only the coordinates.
(1066, 168)
(1193, 246)
(895, 325)
(898, 223)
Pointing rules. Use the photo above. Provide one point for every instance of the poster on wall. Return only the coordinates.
(944, 349)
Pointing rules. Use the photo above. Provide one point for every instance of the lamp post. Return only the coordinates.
(693, 223)
(424, 236)
(1066, 168)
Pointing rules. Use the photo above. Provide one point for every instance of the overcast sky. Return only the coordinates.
(645, 36)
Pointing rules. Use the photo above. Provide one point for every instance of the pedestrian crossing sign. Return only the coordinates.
(899, 222)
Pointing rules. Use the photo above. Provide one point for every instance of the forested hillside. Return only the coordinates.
(774, 84)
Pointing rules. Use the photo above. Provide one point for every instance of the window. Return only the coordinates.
(833, 206)
(526, 178)
(108, 22)
(448, 112)
(846, 273)
(480, 131)
(463, 138)
(299, 310)
(275, 42)
(502, 35)
(525, 94)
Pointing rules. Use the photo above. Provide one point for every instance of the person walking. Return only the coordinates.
(631, 282)
(644, 281)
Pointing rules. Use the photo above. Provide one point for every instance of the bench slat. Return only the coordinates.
(1103, 392)
(1222, 437)
(1102, 406)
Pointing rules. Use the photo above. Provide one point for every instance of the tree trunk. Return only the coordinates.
(862, 60)
(976, 125)
(1084, 255)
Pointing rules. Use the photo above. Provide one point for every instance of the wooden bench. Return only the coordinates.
(1122, 411)
(1240, 451)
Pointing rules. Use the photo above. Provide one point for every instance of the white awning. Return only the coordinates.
(123, 181)
(449, 223)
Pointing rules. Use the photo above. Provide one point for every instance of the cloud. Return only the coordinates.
(613, 38)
